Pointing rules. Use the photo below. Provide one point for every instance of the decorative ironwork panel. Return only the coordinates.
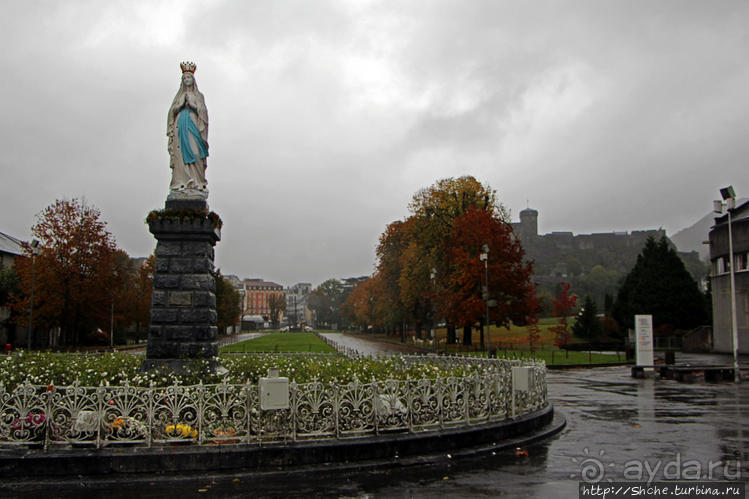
(175, 418)
(425, 403)
(315, 409)
(269, 426)
(453, 401)
(23, 419)
(125, 415)
(391, 404)
(477, 391)
(224, 415)
(356, 408)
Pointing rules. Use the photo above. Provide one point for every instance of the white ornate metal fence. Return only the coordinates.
(59, 416)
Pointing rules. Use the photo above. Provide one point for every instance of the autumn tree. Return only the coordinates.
(389, 253)
(563, 304)
(277, 306)
(74, 272)
(9, 287)
(326, 300)
(428, 265)
(364, 306)
(228, 307)
(461, 299)
(141, 302)
(434, 211)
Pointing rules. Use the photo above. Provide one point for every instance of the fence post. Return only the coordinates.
(48, 416)
(248, 397)
(375, 399)
(337, 408)
(149, 417)
(99, 413)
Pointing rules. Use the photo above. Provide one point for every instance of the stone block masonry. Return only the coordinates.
(183, 304)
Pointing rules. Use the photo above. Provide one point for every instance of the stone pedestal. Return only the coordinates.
(183, 304)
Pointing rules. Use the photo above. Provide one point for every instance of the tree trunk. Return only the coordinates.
(467, 335)
(451, 340)
(418, 330)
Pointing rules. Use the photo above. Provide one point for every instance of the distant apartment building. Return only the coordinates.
(720, 278)
(257, 294)
(10, 249)
(297, 309)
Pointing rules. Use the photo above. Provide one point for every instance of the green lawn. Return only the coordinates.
(281, 342)
(561, 357)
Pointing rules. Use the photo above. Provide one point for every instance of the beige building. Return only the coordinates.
(720, 278)
(257, 293)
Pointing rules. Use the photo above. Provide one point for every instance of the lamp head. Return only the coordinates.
(728, 192)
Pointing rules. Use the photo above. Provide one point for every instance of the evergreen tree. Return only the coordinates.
(587, 325)
(660, 285)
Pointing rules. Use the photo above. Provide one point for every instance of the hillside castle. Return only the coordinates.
(607, 245)
(592, 263)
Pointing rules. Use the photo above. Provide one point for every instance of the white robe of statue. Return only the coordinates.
(187, 132)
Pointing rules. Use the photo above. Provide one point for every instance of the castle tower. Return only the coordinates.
(528, 224)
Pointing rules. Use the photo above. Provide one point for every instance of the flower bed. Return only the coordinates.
(410, 393)
(117, 369)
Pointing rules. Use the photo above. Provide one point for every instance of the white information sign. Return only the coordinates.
(644, 333)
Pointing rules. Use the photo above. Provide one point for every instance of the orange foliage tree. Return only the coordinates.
(461, 299)
(450, 222)
(75, 276)
(389, 252)
(365, 305)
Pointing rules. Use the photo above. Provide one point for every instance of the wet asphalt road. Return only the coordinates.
(616, 426)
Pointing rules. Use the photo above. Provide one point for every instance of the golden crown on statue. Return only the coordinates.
(187, 67)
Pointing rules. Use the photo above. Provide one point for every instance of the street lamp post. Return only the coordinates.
(432, 276)
(111, 326)
(34, 252)
(729, 196)
(484, 257)
(590, 337)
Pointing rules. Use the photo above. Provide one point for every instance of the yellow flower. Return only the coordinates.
(181, 430)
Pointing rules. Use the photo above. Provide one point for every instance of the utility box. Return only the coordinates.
(522, 379)
(274, 391)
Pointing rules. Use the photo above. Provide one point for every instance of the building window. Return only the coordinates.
(724, 265)
(739, 260)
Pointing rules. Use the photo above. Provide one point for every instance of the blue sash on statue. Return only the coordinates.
(185, 126)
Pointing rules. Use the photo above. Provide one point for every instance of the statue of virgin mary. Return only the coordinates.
(187, 129)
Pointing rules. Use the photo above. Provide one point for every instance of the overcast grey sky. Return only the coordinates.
(327, 116)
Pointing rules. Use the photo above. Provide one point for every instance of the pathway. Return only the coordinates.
(348, 344)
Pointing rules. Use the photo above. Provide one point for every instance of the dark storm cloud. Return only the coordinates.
(327, 116)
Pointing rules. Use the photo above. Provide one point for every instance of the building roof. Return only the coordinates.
(260, 283)
(9, 244)
(739, 213)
